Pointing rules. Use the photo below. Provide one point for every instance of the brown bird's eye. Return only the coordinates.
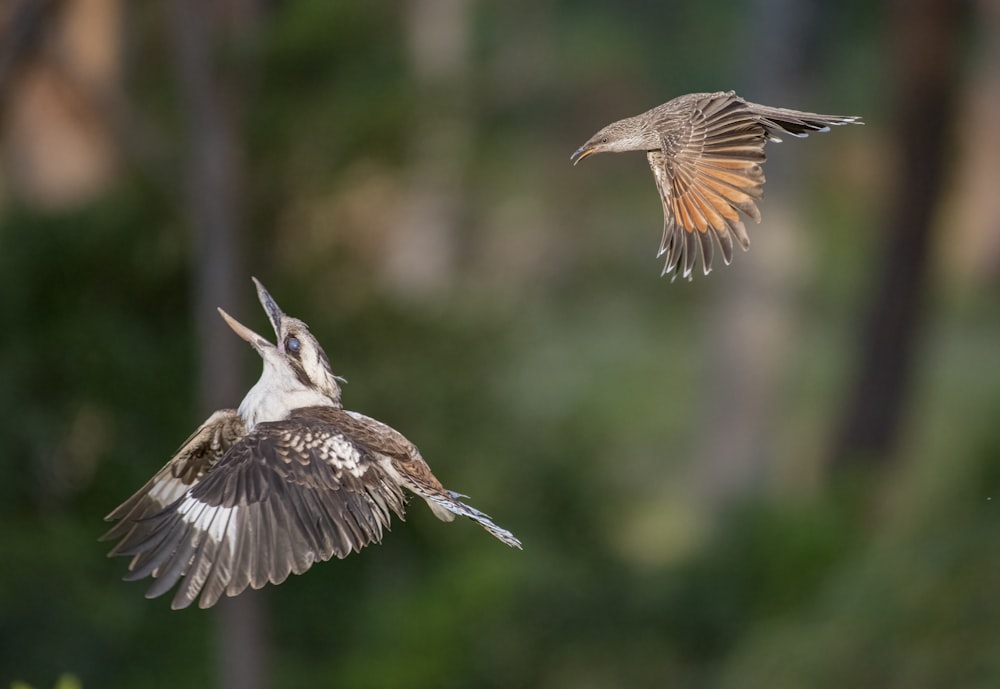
(293, 345)
(604, 140)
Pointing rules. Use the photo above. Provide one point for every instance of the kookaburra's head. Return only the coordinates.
(296, 371)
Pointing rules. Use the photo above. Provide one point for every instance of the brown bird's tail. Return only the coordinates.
(796, 122)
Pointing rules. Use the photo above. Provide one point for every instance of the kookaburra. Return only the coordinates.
(706, 151)
(288, 479)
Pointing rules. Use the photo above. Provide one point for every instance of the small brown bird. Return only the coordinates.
(706, 152)
(288, 479)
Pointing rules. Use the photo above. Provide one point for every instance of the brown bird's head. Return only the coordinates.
(296, 370)
(630, 134)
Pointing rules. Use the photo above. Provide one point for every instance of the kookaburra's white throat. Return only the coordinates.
(277, 393)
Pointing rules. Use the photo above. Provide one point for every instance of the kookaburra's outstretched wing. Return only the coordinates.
(197, 455)
(288, 494)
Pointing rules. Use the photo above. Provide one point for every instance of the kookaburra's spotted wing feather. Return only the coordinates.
(706, 151)
(286, 495)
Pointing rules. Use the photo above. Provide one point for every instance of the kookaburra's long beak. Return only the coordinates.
(256, 341)
(274, 314)
(582, 152)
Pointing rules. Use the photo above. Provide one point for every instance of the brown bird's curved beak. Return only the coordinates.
(582, 152)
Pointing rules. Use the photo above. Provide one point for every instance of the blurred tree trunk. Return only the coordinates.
(752, 317)
(421, 256)
(925, 44)
(213, 180)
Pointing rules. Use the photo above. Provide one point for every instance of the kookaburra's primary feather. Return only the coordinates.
(706, 151)
(288, 479)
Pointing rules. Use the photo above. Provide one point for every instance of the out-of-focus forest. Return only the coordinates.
(786, 474)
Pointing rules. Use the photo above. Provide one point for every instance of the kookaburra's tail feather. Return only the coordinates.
(445, 507)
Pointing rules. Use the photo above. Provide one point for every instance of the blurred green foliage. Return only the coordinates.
(566, 404)
(64, 682)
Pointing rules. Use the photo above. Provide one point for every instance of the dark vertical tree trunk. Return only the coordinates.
(926, 50)
(212, 176)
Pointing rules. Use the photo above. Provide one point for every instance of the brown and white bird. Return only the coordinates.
(288, 479)
(706, 151)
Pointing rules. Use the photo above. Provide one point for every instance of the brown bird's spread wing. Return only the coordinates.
(708, 170)
(706, 151)
(194, 457)
(285, 496)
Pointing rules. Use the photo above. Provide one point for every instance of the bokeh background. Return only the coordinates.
(786, 474)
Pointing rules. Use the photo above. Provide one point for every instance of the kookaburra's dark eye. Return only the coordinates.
(293, 345)
(604, 140)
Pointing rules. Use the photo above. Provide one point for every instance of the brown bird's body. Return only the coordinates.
(288, 479)
(706, 151)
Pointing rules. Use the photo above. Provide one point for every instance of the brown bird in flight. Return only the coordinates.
(288, 479)
(706, 151)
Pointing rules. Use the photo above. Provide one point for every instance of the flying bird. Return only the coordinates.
(288, 479)
(706, 151)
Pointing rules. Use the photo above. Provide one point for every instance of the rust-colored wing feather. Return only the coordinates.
(708, 171)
